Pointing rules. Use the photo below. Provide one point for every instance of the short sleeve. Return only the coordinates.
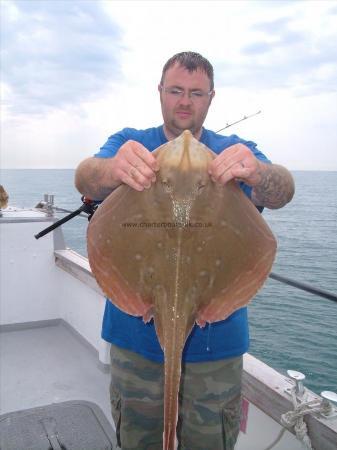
(112, 145)
(252, 146)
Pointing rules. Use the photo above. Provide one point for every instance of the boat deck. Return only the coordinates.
(52, 363)
(44, 358)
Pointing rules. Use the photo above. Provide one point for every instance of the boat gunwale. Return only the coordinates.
(263, 386)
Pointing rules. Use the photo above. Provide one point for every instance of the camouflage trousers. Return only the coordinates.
(209, 403)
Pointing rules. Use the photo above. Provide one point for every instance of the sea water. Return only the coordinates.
(289, 328)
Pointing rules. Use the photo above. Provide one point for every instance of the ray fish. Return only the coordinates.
(185, 251)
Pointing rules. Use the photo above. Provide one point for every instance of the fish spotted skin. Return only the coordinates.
(185, 250)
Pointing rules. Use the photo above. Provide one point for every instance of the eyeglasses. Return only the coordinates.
(196, 94)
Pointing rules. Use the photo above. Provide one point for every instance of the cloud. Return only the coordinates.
(257, 48)
(57, 53)
(333, 10)
(275, 40)
(285, 56)
(272, 26)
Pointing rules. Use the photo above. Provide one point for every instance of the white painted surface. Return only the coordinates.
(22, 213)
(27, 273)
(262, 431)
(33, 288)
(40, 366)
(83, 309)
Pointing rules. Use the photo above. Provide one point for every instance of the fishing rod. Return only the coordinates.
(238, 121)
(304, 286)
(88, 207)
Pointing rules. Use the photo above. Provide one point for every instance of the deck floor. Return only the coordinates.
(39, 366)
(51, 364)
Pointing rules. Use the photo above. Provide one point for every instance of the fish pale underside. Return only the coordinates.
(185, 250)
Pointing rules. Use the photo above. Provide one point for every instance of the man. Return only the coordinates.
(210, 390)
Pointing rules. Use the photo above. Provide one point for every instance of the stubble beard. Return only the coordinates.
(175, 127)
(194, 124)
(180, 128)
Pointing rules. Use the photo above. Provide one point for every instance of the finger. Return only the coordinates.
(237, 171)
(223, 164)
(136, 154)
(130, 181)
(127, 171)
(219, 170)
(230, 156)
(137, 176)
(142, 168)
(227, 157)
(146, 156)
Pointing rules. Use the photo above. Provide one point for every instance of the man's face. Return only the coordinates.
(186, 111)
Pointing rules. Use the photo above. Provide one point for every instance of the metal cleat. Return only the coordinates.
(49, 200)
(298, 378)
(328, 405)
(47, 205)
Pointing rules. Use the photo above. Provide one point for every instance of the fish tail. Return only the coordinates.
(171, 392)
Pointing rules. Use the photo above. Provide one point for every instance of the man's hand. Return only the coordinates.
(238, 162)
(273, 185)
(135, 166)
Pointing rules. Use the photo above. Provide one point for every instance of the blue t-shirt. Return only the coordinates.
(224, 339)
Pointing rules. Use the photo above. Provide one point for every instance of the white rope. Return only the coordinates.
(295, 419)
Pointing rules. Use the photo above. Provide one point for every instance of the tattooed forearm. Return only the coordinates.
(276, 187)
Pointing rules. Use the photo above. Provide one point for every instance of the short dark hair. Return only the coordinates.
(191, 61)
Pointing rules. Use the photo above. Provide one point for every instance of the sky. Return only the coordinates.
(73, 72)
